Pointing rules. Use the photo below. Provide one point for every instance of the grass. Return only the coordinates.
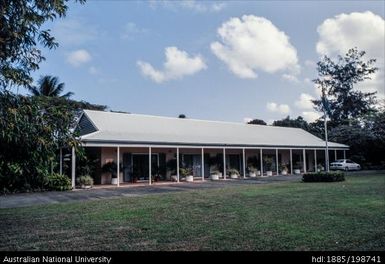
(346, 215)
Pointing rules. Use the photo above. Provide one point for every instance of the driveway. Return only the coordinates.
(29, 199)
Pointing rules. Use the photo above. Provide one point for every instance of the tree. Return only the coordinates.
(21, 34)
(182, 116)
(257, 122)
(338, 78)
(299, 122)
(49, 86)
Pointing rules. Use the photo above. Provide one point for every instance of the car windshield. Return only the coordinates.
(341, 160)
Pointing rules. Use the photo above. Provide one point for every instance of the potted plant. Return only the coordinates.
(284, 169)
(85, 181)
(187, 174)
(252, 172)
(269, 166)
(234, 174)
(214, 175)
(111, 167)
(320, 168)
(297, 168)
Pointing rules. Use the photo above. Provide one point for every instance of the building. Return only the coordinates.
(201, 147)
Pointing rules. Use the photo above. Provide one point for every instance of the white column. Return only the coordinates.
(304, 160)
(291, 161)
(261, 161)
(344, 154)
(315, 160)
(177, 164)
(203, 165)
(244, 163)
(118, 164)
(61, 161)
(149, 166)
(276, 161)
(73, 167)
(335, 154)
(224, 163)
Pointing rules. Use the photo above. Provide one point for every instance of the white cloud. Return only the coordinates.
(79, 57)
(93, 70)
(310, 63)
(310, 116)
(290, 77)
(279, 108)
(252, 43)
(178, 64)
(247, 119)
(304, 101)
(131, 30)
(307, 81)
(365, 31)
(196, 6)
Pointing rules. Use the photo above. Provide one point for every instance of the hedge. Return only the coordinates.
(323, 177)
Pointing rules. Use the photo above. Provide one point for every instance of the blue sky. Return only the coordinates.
(258, 66)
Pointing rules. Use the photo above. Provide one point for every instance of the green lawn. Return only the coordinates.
(347, 215)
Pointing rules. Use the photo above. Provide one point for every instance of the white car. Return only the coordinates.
(344, 164)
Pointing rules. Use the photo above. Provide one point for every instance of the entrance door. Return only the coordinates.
(140, 166)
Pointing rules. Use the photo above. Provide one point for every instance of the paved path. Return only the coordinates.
(28, 199)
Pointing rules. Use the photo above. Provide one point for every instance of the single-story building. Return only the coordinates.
(148, 149)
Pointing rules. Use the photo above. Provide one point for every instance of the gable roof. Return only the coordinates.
(122, 128)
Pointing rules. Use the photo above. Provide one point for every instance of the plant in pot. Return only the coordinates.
(297, 168)
(320, 168)
(269, 166)
(252, 171)
(234, 174)
(214, 174)
(111, 167)
(187, 174)
(85, 181)
(284, 169)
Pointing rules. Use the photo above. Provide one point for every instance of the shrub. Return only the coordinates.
(185, 172)
(323, 177)
(58, 182)
(85, 180)
(232, 172)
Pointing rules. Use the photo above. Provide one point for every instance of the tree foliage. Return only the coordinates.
(338, 78)
(31, 131)
(257, 122)
(49, 86)
(21, 34)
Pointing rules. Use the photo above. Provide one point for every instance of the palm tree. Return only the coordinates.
(49, 86)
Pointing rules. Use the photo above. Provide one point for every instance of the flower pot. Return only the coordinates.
(214, 177)
(85, 186)
(252, 174)
(114, 180)
(297, 171)
(189, 178)
(269, 173)
(234, 176)
(284, 172)
(174, 178)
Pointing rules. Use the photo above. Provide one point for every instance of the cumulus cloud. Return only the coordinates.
(178, 64)
(311, 116)
(196, 6)
(278, 108)
(250, 44)
(362, 30)
(131, 30)
(304, 101)
(290, 77)
(78, 57)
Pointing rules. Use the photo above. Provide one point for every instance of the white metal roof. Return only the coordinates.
(145, 129)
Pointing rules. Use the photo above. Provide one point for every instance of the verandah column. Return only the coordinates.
(118, 164)
(149, 166)
(244, 163)
(304, 160)
(276, 161)
(291, 161)
(177, 164)
(203, 165)
(315, 160)
(335, 154)
(73, 167)
(224, 163)
(261, 161)
(344, 154)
